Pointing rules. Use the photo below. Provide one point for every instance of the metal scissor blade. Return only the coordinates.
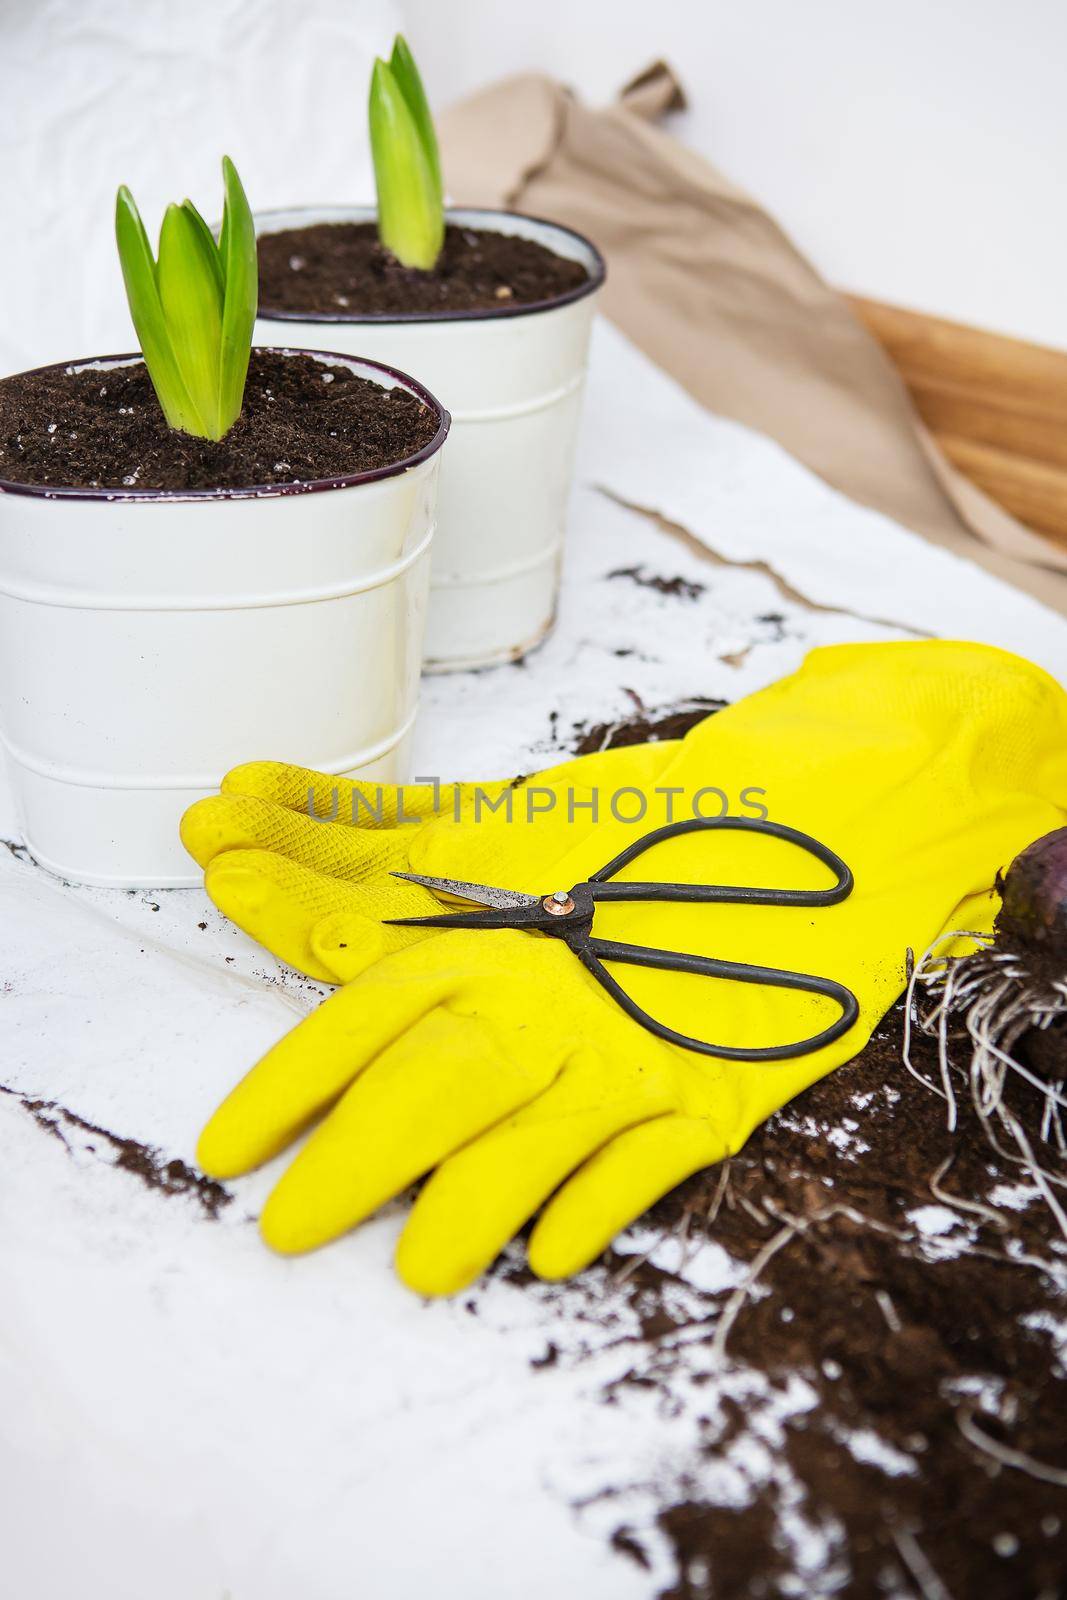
(482, 894)
(491, 917)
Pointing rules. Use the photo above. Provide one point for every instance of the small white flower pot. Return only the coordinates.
(512, 380)
(151, 639)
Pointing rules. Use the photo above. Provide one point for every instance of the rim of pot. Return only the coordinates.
(596, 267)
(252, 491)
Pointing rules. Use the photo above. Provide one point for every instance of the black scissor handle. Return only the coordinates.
(723, 894)
(594, 952)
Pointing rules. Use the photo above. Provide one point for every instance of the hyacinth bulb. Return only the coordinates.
(1034, 898)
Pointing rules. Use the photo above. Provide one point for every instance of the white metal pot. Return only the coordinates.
(512, 379)
(151, 639)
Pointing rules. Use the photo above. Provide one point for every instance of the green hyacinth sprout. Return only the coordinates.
(407, 166)
(194, 307)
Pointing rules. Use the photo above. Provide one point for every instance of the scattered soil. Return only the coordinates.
(143, 1161)
(677, 588)
(648, 727)
(302, 420)
(339, 269)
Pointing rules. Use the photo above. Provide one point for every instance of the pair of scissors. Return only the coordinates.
(567, 914)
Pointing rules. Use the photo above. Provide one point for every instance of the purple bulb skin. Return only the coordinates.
(1033, 910)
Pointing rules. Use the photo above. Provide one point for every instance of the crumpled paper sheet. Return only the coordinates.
(706, 283)
(186, 1413)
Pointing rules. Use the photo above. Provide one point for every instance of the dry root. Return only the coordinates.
(988, 1002)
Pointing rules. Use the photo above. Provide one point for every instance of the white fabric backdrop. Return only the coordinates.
(915, 151)
(94, 93)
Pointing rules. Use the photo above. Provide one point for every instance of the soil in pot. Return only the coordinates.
(339, 268)
(302, 420)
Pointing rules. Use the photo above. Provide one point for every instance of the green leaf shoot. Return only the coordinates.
(150, 324)
(207, 244)
(240, 270)
(194, 306)
(407, 168)
(409, 82)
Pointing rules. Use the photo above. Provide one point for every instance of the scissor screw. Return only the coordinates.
(559, 904)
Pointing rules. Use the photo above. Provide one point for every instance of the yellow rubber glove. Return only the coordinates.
(315, 892)
(495, 1059)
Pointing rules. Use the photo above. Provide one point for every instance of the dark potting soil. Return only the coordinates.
(301, 420)
(645, 728)
(339, 268)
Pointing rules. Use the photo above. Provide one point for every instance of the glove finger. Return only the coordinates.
(347, 802)
(479, 1198)
(435, 1088)
(243, 822)
(311, 1066)
(326, 928)
(616, 1186)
